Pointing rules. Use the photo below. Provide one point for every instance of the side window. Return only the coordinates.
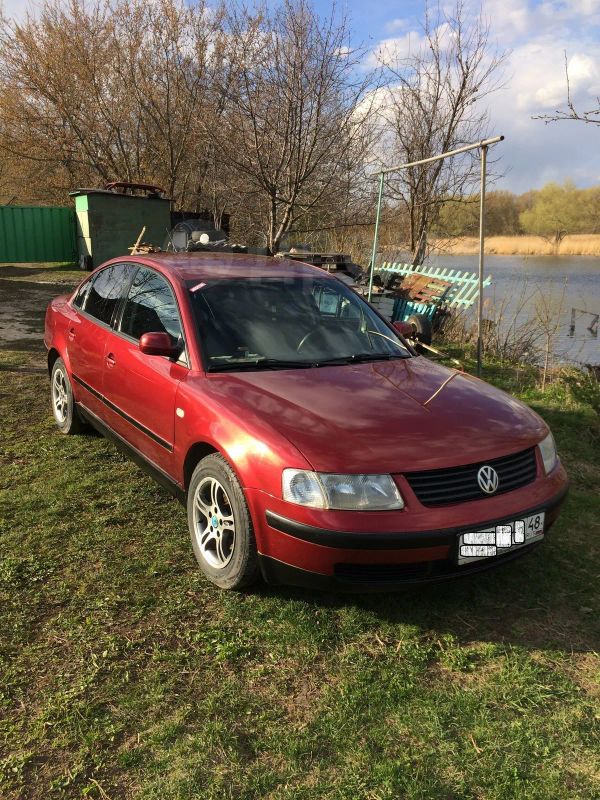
(81, 295)
(106, 290)
(150, 307)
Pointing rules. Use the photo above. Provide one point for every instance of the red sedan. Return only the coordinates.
(311, 443)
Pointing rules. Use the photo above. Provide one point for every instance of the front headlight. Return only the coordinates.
(548, 452)
(341, 492)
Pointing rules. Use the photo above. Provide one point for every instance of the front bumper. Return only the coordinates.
(304, 554)
(379, 578)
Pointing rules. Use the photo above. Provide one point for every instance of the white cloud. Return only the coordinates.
(396, 47)
(585, 6)
(398, 24)
(537, 36)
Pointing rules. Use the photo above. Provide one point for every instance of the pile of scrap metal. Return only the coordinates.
(339, 263)
(417, 298)
(194, 235)
(426, 295)
(419, 289)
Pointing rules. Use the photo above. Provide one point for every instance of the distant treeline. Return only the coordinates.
(551, 212)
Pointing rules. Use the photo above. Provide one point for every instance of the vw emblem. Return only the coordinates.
(488, 480)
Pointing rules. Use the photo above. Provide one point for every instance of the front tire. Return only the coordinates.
(61, 399)
(220, 525)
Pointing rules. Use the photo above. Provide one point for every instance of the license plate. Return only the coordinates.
(500, 539)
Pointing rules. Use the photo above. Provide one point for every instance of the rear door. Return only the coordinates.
(95, 306)
(140, 388)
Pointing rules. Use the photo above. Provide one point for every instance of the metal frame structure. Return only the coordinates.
(483, 145)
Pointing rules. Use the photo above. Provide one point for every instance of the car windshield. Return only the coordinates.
(288, 322)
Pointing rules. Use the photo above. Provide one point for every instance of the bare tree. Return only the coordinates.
(97, 91)
(433, 104)
(296, 115)
(592, 116)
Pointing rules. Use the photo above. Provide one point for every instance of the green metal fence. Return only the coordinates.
(37, 233)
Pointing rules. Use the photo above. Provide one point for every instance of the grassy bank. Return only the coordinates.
(125, 675)
(575, 245)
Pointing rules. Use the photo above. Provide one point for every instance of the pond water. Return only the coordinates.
(565, 282)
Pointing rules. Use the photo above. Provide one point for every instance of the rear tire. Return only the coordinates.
(220, 525)
(422, 327)
(61, 398)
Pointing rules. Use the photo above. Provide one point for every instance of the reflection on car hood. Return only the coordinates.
(389, 416)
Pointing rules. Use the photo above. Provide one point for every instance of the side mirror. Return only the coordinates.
(157, 344)
(405, 328)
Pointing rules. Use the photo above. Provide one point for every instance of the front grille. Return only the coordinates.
(442, 487)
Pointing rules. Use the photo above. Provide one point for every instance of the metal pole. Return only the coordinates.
(375, 236)
(465, 149)
(481, 255)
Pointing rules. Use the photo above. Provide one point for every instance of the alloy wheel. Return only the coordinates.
(60, 396)
(214, 524)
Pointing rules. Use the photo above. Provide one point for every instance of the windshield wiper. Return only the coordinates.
(357, 358)
(278, 363)
(388, 338)
(259, 363)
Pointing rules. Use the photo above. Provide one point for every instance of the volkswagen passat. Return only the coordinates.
(311, 443)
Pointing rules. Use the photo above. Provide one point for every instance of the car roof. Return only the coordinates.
(199, 266)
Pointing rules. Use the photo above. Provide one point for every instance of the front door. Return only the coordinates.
(141, 388)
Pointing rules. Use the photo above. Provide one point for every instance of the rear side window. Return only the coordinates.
(106, 290)
(150, 307)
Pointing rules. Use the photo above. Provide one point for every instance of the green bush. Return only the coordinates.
(584, 387)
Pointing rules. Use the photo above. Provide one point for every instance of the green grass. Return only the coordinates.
(125, 674)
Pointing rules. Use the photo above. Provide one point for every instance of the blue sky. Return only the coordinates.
(537, 33)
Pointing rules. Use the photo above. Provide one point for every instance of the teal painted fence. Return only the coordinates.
(37, 233)
(462, 292)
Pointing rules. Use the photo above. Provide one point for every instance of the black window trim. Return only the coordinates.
(85, 283)
(183, 359)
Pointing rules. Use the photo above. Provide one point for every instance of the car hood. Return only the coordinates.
(386, 416)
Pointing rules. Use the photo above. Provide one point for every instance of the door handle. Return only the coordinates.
(71, 334)
(110, 360)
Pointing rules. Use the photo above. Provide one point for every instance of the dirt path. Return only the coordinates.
(22, 309)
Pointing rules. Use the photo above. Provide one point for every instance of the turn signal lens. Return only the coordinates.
(302, 487)
(548, 452)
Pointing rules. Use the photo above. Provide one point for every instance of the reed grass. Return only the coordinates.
(582, 244)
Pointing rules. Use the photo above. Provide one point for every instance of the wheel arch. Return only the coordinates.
(195, 454)
(53, 355)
